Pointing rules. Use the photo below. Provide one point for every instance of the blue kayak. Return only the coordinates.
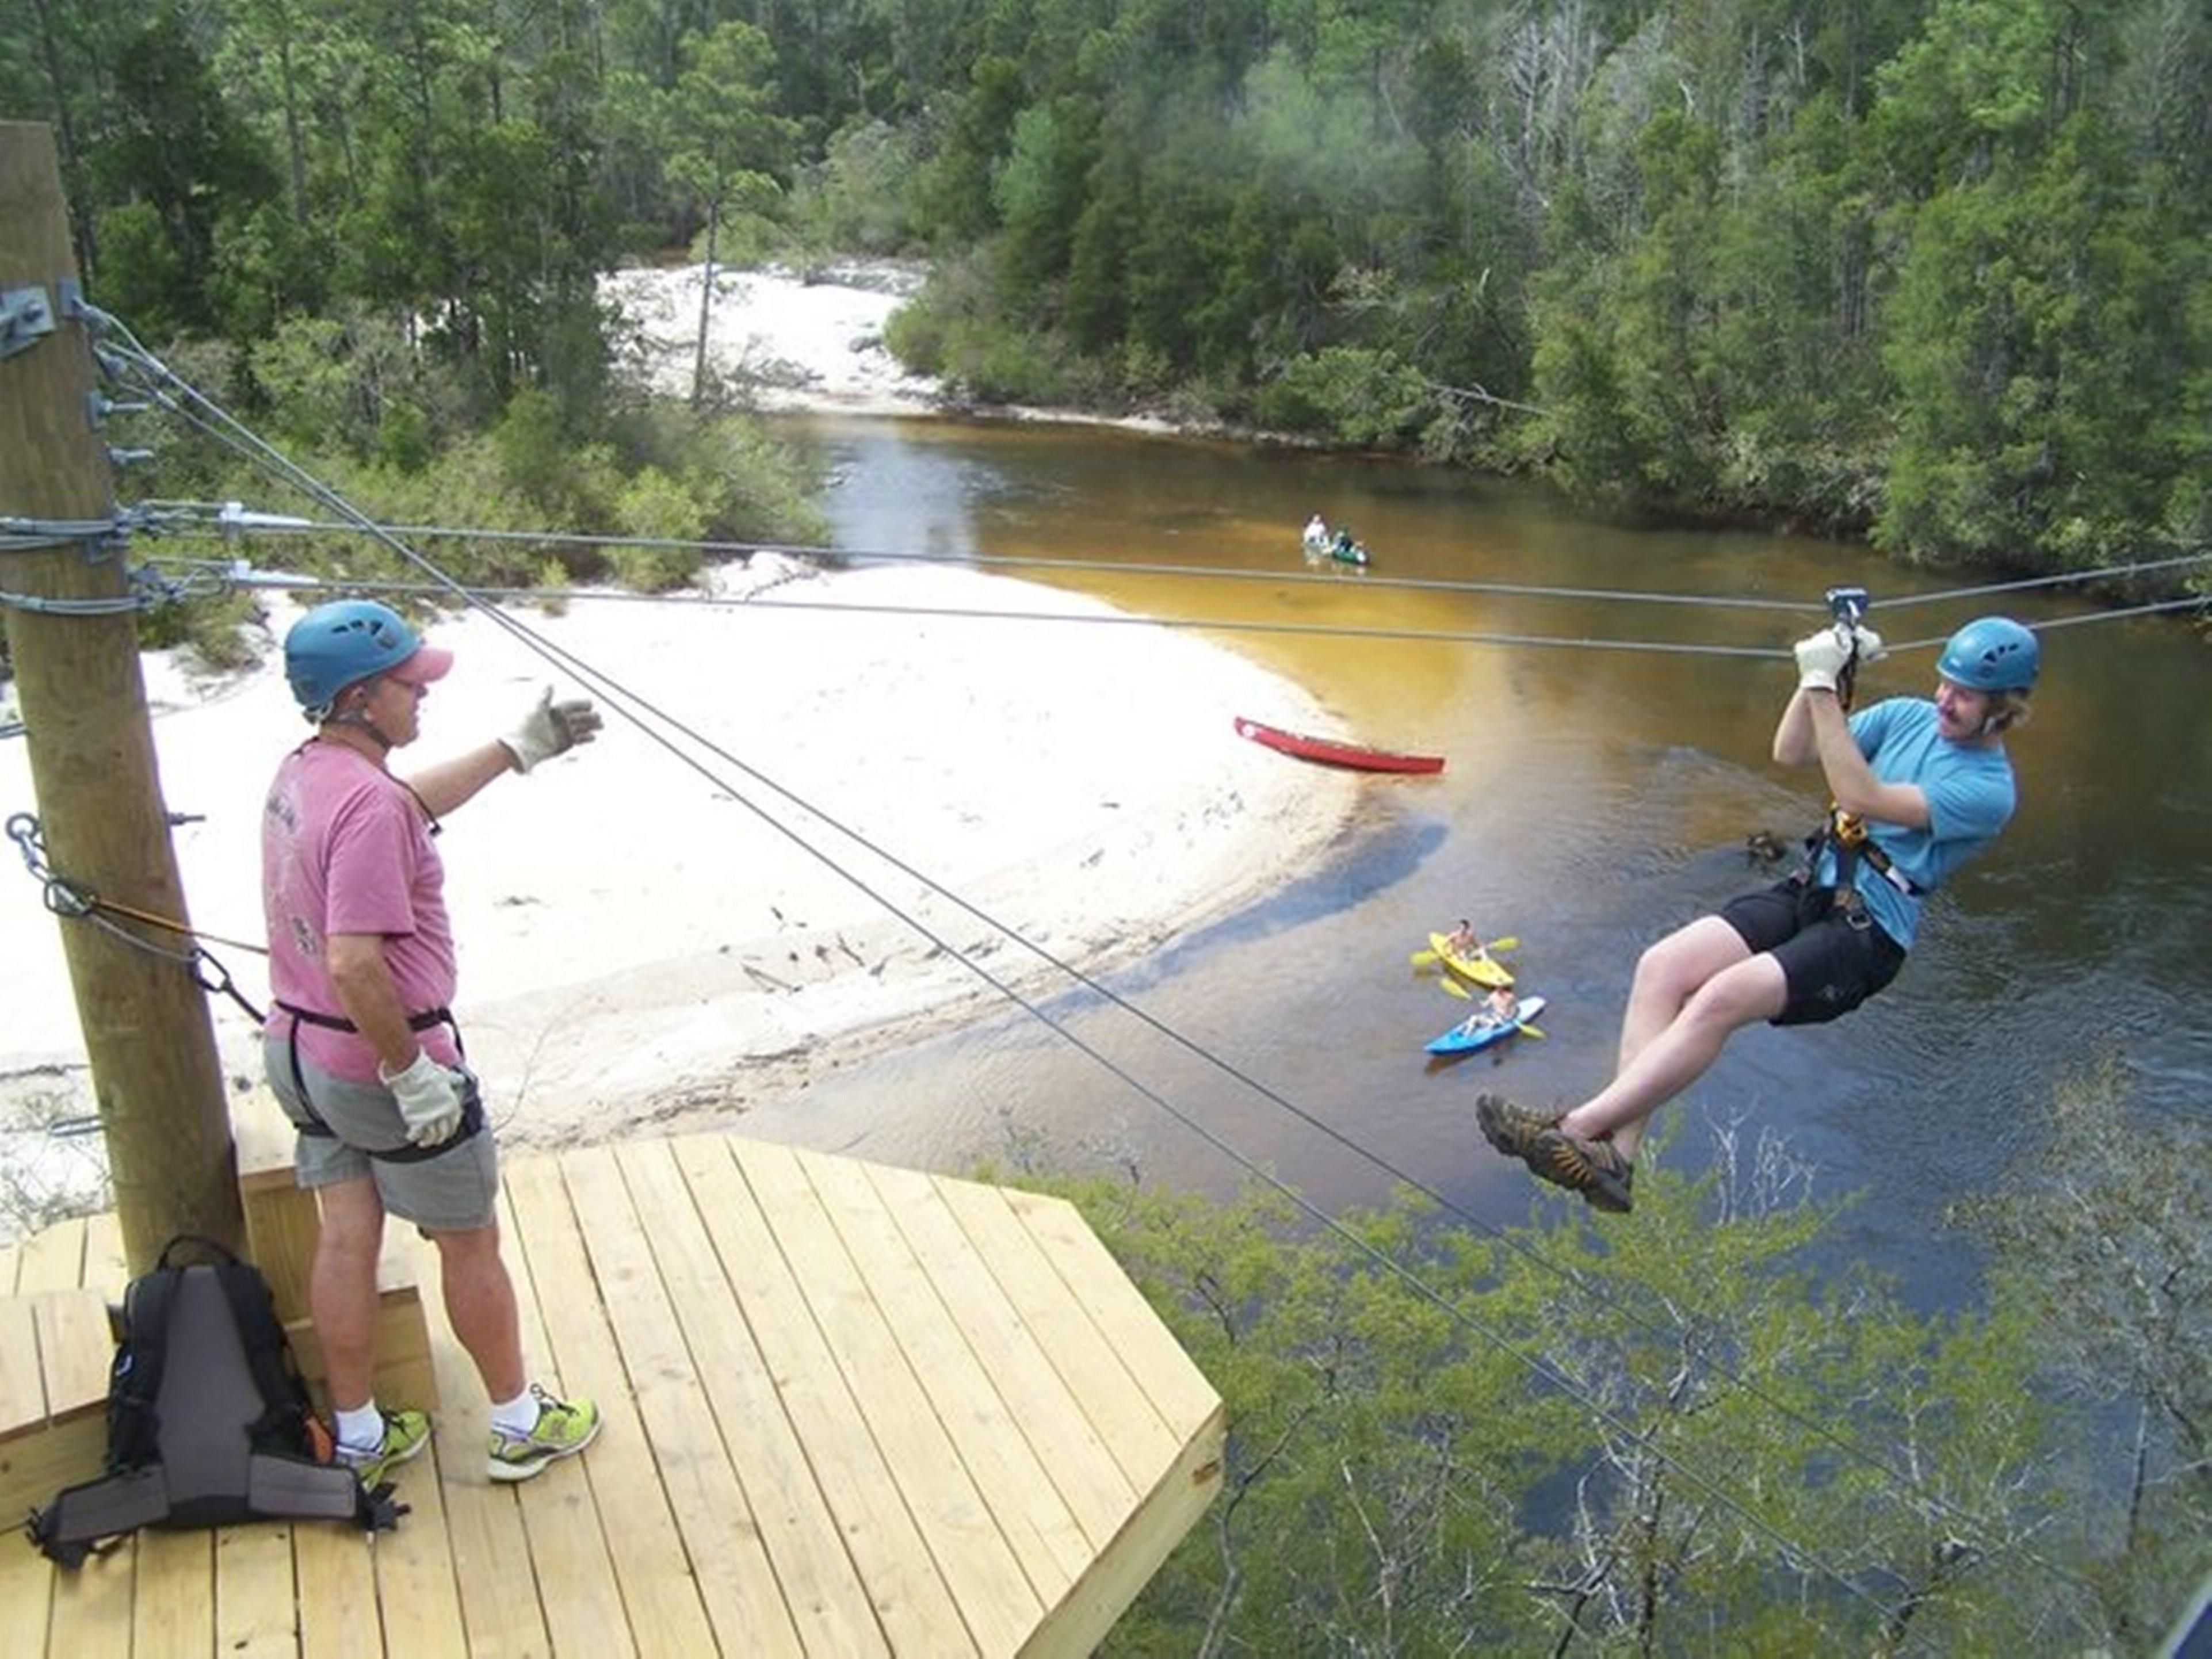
(1481, 1030)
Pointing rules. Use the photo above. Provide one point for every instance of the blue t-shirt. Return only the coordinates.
(1969, 797)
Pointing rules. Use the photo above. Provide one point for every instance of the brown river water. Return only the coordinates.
(1594, 798)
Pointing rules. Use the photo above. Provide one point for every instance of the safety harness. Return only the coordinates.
(1846, 834)
(473, 1112)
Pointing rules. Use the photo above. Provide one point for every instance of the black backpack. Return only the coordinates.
(208, 1420)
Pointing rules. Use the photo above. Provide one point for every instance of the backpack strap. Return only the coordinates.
(277, 1485)
(284, 1392)
(73, 1525)
(134, 1379)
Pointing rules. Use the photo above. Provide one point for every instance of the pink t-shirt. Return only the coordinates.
(346, 848)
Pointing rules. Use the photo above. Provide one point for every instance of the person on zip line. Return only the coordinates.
(1920, 784)
(361, 1047)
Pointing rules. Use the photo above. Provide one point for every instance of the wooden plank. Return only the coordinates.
(27, 1590)
(94, 1609)
(1187, 1490)
(916, 1610)
(107, 1267)
(1176, 1388)
(173, 1611)
(1084, 1473)
(53, 1259)
(55, 1356)
(416, 1589)
(736, 1585)
(1132, 1430)
(997, 1603)
(337, 1587)
(821, 1589)
(868, 1206)
(255, 1611)
(265, 1141)
(500, 1612)
(76, 1349)
(27, 1580)
(23, 1384)
(576, 1548)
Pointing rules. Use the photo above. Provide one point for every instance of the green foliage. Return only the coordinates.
(1351, 394)
(2105, 1252)
(1440, 1442)
(858, 198)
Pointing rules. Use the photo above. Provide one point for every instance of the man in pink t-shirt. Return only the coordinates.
(361, 1047)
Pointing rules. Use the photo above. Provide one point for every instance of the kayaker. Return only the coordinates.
(1462, 941)
(1317, 535)
(1921, 785)
(1501, 1006)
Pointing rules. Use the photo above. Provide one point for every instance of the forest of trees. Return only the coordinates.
(1933, 271)
(1677, 1438)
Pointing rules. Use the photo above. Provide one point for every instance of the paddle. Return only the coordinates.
(1453, 987)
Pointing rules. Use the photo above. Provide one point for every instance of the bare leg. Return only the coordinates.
(480, 1304)
(342, 1288)
(1693, 990)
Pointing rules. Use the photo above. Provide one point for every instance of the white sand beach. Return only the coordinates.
(639, 940)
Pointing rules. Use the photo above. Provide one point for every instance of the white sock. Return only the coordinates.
(518, 1415)
(361, 1430)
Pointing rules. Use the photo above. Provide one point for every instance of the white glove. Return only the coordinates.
(429, 1099)
(1820, 658)
(1870, 648)
(551, 728)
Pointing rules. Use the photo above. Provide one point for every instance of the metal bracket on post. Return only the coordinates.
(26, 316)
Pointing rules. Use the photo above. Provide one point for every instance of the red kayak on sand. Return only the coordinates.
(1331, 752)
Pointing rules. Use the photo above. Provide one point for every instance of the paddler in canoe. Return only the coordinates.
(1921, 785)
(1464, 953)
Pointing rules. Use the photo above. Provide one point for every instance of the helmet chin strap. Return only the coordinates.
(354, 716)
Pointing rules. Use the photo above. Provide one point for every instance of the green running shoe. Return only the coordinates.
(564, 1427)
(405, 1434)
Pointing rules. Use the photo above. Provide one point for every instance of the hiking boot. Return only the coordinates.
(1608, 1200)
(563, 1428)
(405, 1434)
(1591, 1167)
(1513, 1128)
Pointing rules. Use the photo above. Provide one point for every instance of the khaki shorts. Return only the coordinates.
(454, 1191)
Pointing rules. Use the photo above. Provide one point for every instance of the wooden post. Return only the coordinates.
(155, 1069)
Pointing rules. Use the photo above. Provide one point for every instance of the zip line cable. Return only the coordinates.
(1117, 618)
(636, 709)
(642, 712)
(231, 523)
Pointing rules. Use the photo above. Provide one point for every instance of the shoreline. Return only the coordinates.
(629, 957)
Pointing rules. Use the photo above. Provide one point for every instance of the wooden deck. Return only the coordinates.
(850, 1409)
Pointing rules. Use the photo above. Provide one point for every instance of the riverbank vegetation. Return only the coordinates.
(1937, 271)
(1561, 1437)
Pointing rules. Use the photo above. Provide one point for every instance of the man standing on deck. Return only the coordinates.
(1920, 785)
(361, 1047)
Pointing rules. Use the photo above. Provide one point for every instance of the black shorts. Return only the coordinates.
(1832, 962)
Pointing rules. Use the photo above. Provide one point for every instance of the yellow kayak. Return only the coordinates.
(1480, 970)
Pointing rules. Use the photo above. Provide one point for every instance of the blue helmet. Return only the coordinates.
(341, 644)
(1992, 653)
